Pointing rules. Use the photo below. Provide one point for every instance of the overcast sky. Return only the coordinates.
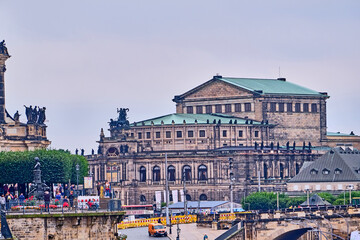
(84, 59)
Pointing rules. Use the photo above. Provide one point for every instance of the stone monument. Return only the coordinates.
(39, 187)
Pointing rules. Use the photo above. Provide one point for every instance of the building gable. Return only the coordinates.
(215, 89)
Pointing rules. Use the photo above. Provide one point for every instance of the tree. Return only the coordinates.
(260, 201)
(57, 166)
(327, 196)
(268, 200)
(340, 198)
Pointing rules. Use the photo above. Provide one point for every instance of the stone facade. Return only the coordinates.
(267, 134)
(297, 118)
(136, 177)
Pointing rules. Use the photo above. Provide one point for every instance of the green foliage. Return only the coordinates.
(295, 201)
(57, 166)
(327, 196)
(340, 201)
(267, 200)
(340, 198)
(260, 200)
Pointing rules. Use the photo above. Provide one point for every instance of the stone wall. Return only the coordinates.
(64, 226)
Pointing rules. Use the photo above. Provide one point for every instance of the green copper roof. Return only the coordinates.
(270, 86)
(178, 118)
(339, 134)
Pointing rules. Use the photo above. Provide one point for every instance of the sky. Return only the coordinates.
(84, 59)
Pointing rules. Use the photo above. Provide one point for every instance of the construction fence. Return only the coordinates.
(145, 222)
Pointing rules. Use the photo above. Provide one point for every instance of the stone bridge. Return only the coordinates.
(305, 225)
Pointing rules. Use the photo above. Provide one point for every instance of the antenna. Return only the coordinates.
(279, 72)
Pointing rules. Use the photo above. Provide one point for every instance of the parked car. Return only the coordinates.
(157, 230)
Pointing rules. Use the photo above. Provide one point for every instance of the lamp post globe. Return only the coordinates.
(77, 167)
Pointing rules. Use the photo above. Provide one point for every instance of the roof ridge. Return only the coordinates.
(250, 78)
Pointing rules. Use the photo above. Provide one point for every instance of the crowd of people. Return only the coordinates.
(9, 193)
(62, 194)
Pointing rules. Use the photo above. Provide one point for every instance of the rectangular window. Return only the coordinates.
(297, 107)
(189, 109)
(281, 107)
(157, 134)
(179, 134)
(306, 107)
(139, 135)
(289, 107)
(256, 133)
(199, 109)
(202, 133)
(190, 134)
(237, 107)
(247, 107)
(208, 108)
(148, 135)
(313, 107)
(224, 133)
(227, 108)
(240, 133)
(218, 108)
(168, 134)
(272, 107)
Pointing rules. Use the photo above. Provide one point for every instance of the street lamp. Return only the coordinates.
(350, 187)
(184, 190)
(178, 231)
(307, 191)
(231, 185)
(77, 167)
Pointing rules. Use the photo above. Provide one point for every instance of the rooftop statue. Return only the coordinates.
(3, 48)
(35, 115)
(121, 122)
(17, 116)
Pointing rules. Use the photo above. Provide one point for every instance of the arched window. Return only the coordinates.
(171, 173)
(202, 173)
(187, 172)
(188, 197)
(265, 171)
(112, 152)
(282, 171)
(142, 174)
(203, 197)
(142, 198)
(338, 171)
(156, 174)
